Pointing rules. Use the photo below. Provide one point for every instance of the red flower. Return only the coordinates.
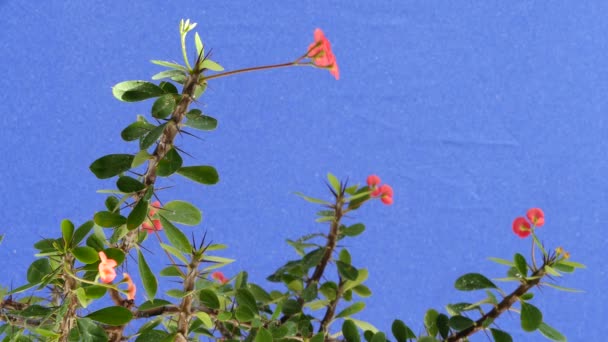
(320, 53)
(131, 289)
(536, 216)
(106, 268)
(155, 223)
(386, 194)
(373, 181)
(521, 227)
(219, 276)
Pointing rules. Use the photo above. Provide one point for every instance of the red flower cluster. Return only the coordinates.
(219, 277)
(523, 228)
(155, 223)
(320, 53)
(106, 268)
(384, 191)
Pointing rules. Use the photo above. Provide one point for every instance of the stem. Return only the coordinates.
(503, 306)
(185, 307)
(331, 308)
(265, 67)
(68, 321)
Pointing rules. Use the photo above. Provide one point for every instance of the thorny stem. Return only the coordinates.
(331, 308)
(69, 286)
(499, 309)
(185, 307)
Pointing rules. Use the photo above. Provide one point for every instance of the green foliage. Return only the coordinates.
(133, 91)
(147, 276)
(111, 165)
(113, 315)
(531, 317)
(201, 174)
(473, 281)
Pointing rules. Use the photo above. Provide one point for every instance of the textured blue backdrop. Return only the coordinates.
(473, 112)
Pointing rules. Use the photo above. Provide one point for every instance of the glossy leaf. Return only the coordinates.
(196, 119)
(38, 270)
(430, 322)
(85, 254)
(182, 212)
(460, 322)
(133, 91)
(111, 165)
(347, 271)
(211, 65)
(128, 184)
(531, 317)
(351, 310)
(176, 236)
(473, 281)
(87, 331)
(108, 219)
(151, 138)
(136, 130)
(550, 333)
(353, 230)
(334, 182)
(163, 106)
(82, 231)
(113, 315)
(169, 164)
(209, 299)
(137, 215)
(379, 337)
(401, 331)
(520, 264)
(200, 174)
(168, 74)
(147, 277)
(443, 325)
(67, 231)
(500, 336)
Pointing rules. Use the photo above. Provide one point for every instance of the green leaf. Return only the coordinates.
(200, 49)
(365, 326)
(350, 331)
(310, 292)
(245, 298)
(168, 87)
(473, 281)
(196, 119)
(168, 74)
(531, 317)
(175, 252)
(209, 299)
(86, 255)
(170, 271)
(141, 157)
(175, 235)
(561, 288)
(353, 230)
(129, 185)
(147, 277)
(551, 271)
(182, 212)
(312, 200)
(87, 331)
(169, 164)
(443, 325)
(82, 232)
(200, 174)
(263, 335)
(67, 230)
(563, 268)
(150, 138)
(138, 214)
(351, 310)
(153, 304)
(38, 270)
(362, 291)
(460, 322)
(116, 254)
(133, 91)
(347, 271)
(163, 106)
(502, 261)
(136, 130)
(344, 256)
(334, 182)
(211, 65)
(401, 331)
(550, 333)
(108, 219)
(155, 336)
(500, 336)
(111, 165)
(430, 322)
(35, 310)
(520, 264)
(113, 315)
(169, 64)
(571, 264)
(244, 314)
(291, 307)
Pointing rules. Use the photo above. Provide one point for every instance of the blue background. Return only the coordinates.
(473, 112)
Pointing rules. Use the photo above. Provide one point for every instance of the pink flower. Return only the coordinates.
(384, 191)
(131, 289)
(106, 268)
(521, 227)
(373, 181)
(536, 216)
(219, 277)
(155, 224)
(320, 53)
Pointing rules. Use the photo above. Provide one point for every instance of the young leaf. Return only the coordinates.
(502, 261)
(351, 310)
(169, 65)
(430, 322)
(334, 182)
(521, 265)
(168, 74)
(133, 91)
(147, 277)
(312, 200)
(211, 65)
(175, 235)
(113, 315)
(67, 230)
(200, 174)
(531, 317)
(200, 49)
(111, 165)
(182, 212)
(473, 281)
(550, 333)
